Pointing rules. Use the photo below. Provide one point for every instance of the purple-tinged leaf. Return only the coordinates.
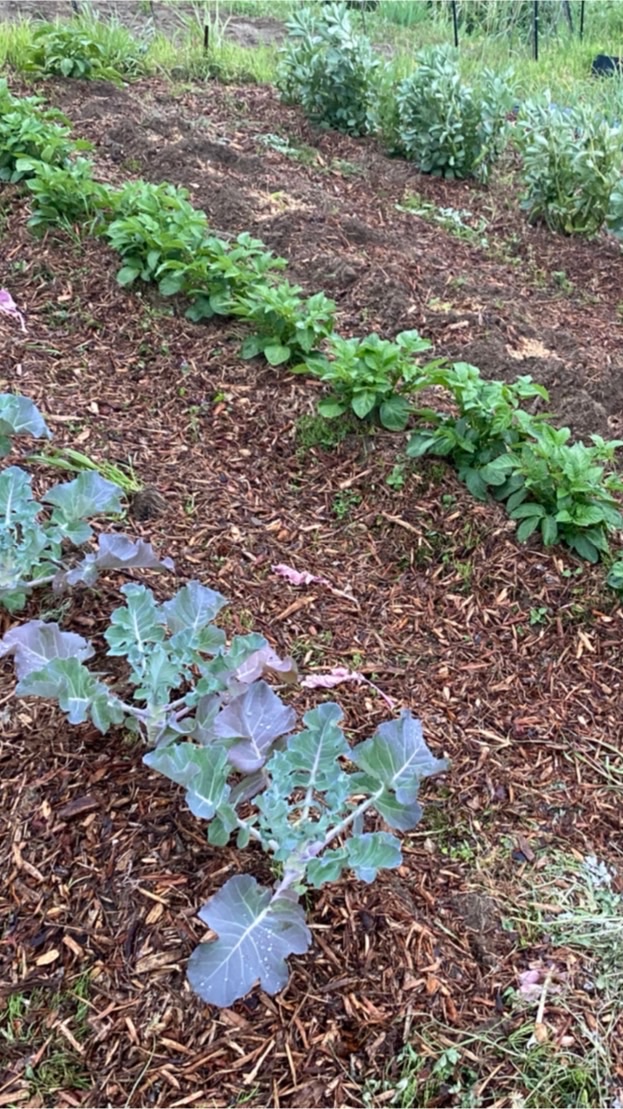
(266, 661)
(256, 934)
(337, 676)
(538, 980)
(36, 643)
(298, 577)
(9, 308)
(256, 719)
(117, 552)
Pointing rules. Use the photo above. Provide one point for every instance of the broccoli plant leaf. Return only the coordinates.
(192, 607)
(203, 771)
(19, 416)
(87, 495)
(256, 719)
(266, 661)
(311, 756)
(257, 931)
(134, 627)
(117, 552)
(77, 691)
(373, 851)
(397, 758)
(189, 615)
(327, 868)
(36, 643)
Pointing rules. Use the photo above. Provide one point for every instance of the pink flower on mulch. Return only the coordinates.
(337, 676)
(533, 981)
(298, 577)
(9, 307)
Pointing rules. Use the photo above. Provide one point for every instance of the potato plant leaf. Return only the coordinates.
(257, 931)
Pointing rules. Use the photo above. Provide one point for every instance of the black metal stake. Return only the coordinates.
(535, 29)
(581, 20)
(206, 37)
(455, 24)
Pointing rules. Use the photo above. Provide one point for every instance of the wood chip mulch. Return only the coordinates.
(510, 655)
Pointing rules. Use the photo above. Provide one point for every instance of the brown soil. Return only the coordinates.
(140, 16)
(103, 868)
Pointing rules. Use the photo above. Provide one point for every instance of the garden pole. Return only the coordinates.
(206, 36)
(581, 20)
(535, 29)
(455, 24)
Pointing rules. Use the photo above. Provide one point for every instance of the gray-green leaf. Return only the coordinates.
(256, 934)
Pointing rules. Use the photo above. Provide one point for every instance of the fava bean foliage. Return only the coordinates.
(330, 69)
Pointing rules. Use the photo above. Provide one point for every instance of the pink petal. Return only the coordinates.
(297, 577)
(9, 307)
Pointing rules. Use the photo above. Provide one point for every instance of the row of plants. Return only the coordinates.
(567, 492)
(571, 159)
(213, 724)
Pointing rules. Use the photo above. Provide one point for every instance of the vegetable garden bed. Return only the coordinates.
(510, 655)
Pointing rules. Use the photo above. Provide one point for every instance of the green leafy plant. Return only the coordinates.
(571, 166)
(373, 377)
(84, 48)
(286, 326)
(64, 195)
(459, 222)
(447, 127)
(218, 275)
(31, 134)
(220, 731)
(329, 69)
(563, 490)
(37, 536)
(153, 224)
(490, 422)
